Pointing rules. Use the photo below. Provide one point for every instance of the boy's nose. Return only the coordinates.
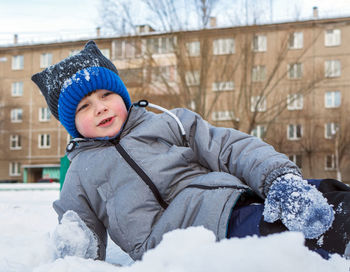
(100, 108)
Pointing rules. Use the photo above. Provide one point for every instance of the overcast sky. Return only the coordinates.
(34, 20)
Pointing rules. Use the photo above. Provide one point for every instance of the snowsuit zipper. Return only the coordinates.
(142, 175)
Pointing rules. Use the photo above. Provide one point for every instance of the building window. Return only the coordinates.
(17, 63)
(106, 53)
(15, 142)
(192, 78)
(223, 86)
(192, 105)
(133, 76)
(44, 141)
(295, 101)
(73, 52)
(162, 45)
(45, 60)
(222, 115)
(332, 68)
(16, 115)
(17, 88)
(44, 114)
(15, 169)
(193, 49)
(294, 132)
(330, 129)
(127, 48)
(330, 162)
(332, 37)
(259, 131)
(296, 40)
(332, 99)
(257, 103)
(259, 73)
(259, 43)
(164, 74)
(295, 71)
(224, 46)
(296, 158)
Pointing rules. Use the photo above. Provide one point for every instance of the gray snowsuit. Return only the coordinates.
(147, 182)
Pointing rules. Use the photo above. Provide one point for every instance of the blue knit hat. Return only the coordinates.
(67, 82)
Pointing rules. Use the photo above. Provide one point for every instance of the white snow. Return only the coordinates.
(27, 221)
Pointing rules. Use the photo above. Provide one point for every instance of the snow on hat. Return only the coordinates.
(67, 82)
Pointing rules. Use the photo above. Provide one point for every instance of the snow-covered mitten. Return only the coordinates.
(73, 238)
(299, 205)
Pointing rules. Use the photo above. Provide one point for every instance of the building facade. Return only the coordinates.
(286, 83)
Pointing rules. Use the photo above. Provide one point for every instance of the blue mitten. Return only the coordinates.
(73, 238)
(299, 205)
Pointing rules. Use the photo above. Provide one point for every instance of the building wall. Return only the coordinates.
(136, 66)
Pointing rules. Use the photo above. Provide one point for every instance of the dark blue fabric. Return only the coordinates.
(315, 182)
(245, 221)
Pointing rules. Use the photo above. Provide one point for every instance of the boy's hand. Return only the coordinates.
(300, 206)
(73, 238)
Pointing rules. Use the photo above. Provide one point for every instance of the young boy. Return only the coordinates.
(138, 175)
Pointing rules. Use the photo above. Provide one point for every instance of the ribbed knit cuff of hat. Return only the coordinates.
(82, 83)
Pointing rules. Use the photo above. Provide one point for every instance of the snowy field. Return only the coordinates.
(27, 219)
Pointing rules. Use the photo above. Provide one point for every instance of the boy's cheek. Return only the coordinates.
(83, 125)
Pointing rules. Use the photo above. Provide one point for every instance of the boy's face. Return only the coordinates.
(100, 114)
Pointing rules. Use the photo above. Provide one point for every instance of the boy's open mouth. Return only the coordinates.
(105, 121)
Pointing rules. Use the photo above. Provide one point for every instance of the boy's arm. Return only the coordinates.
(229, 150)
(73, 198)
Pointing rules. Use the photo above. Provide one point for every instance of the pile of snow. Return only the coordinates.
(27, 221)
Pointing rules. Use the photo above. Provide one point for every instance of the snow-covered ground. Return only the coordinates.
(27, 219)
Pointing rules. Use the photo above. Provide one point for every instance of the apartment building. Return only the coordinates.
(286, 83)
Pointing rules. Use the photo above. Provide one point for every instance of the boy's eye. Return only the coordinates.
(82, 107)
(106, 94)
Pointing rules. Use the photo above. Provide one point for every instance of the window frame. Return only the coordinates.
(45, 60)
(44, 141)
(15, 142)
(221, 86)
(161, 45)
(15, 113)
(333, 38)
(14, 166)
(224, 46)
(297, 159)
(295, 102)
(330, 130)
(17, 89)
(258, 103)
(332, 167)
(259, 43)
(333, 97)
(259, 73)
(296, 40)
(259, 131)
(295, 70)
(332, 68)
(17, 62)
(297, 129)
(225, 115)
(192, 78)
(193, 48)
(44, 114)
